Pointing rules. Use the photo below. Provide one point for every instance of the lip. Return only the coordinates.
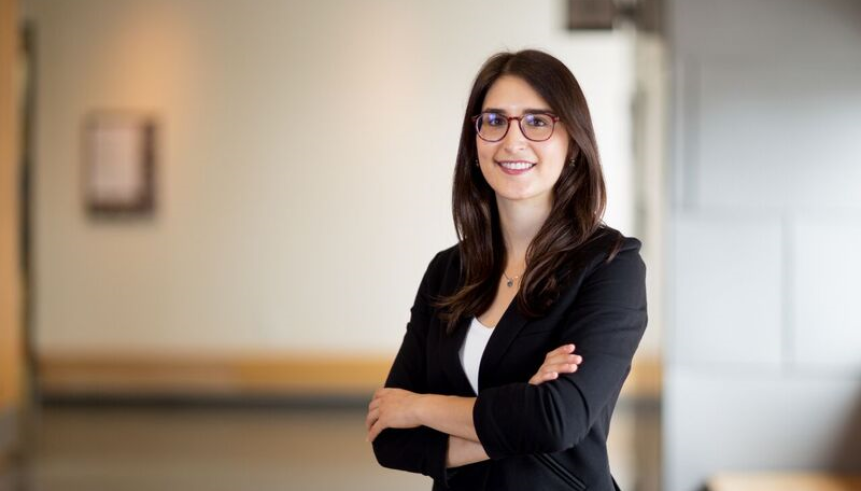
(513, 172)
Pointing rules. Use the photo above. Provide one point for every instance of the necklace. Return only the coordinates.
(510, 281)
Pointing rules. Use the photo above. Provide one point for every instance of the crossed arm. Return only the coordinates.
(452, 415)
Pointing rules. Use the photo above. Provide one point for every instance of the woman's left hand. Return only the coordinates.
(392, 408)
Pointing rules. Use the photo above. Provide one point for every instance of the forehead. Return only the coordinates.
(513, 95)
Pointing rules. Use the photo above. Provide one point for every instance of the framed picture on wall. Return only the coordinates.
(119, 163)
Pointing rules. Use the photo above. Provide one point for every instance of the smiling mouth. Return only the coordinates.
(516, 165)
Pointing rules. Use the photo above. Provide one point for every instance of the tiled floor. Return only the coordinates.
(259, 448)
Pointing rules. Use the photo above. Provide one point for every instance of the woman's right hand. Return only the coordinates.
(560, 360)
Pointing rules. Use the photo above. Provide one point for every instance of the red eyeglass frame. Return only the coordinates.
(519, 119)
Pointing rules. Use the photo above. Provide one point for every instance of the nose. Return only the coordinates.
(514, 139)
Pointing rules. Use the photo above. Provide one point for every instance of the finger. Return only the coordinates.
(374, 431)
(576, 359)
(372, 417)
(543, 377)
(560, 367)
(538, 378)
(563, 358)
(562, 350)
(557, 358)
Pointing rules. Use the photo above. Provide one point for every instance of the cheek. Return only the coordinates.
(556, 153)
(559, 144)
(484, 149)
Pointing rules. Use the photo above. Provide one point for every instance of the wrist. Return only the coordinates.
(420, 408)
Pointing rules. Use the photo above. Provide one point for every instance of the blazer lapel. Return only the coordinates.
(509, 326)
(451, 365)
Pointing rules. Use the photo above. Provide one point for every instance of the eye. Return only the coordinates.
(494, 119)
(538, 120)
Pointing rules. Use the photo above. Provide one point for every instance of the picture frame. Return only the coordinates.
(119, 163)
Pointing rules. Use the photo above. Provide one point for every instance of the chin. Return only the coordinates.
(525, 195)
(516, 197)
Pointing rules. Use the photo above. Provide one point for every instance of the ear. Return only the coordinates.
(573, 150)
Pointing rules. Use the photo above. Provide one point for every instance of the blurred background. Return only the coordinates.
(214, 216)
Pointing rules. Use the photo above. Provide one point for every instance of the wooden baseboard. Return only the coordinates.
(786, 481)
(262, 375)
(112, 375)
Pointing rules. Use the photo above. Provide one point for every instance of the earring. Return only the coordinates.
(476, 163)
(573, 162)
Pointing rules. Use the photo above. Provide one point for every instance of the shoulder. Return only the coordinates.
(605, 247)
(442, 271)
(605, 272)
(444, 268)
(609, 241)
(447, 258)
(616, 269)
(608, 256)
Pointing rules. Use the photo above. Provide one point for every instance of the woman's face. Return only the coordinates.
(512, 96)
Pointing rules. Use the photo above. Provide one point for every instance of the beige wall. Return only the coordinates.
(10, 278)
(304, 172)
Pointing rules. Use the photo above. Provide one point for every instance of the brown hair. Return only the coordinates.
(579, 197)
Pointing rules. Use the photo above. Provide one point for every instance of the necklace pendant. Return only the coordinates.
(510, 283)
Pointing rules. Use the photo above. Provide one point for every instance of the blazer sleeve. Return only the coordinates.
(421, 450)
(606, 322)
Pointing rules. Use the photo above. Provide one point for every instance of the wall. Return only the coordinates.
(763, 369)
(304, 173)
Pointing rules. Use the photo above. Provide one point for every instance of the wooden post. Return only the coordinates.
(11, 349)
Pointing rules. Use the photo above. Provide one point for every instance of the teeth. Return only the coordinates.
(516, 165)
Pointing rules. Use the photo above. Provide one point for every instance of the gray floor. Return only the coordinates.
(260, 448)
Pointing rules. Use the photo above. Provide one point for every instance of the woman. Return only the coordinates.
(486, 391)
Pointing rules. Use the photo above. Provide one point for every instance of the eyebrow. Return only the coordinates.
(525, 111)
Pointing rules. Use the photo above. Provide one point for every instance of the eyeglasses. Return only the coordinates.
(492, 127)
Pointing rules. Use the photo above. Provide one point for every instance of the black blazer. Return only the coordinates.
(552, 436)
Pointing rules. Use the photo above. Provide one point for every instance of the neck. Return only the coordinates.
(520, 222)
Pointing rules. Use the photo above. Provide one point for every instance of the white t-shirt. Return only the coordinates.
(472, 349)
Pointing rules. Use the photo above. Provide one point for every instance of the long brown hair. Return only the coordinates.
(579, 197)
